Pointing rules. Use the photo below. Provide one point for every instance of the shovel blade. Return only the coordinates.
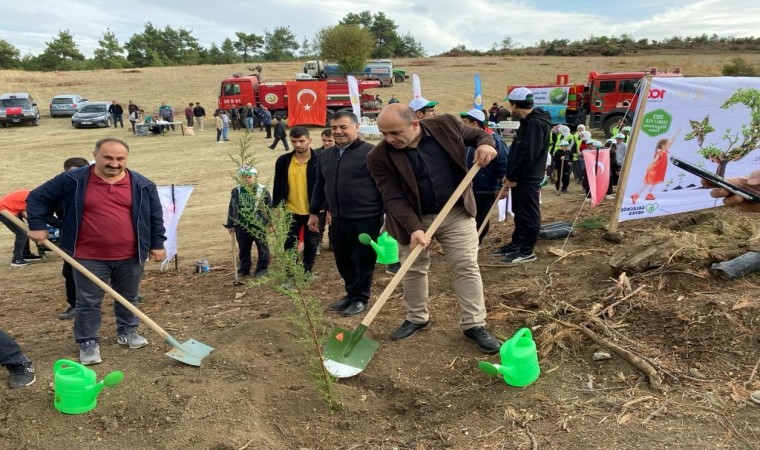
(344, 356)
(190, 352)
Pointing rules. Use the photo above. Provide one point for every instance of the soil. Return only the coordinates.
(255, 391)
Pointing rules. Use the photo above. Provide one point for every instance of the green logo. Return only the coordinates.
(656, 122)
(652, 207)
(558, 95)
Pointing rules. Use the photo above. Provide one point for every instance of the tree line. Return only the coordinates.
(168, 46)
(624, 44)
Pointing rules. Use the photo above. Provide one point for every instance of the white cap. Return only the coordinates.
(474, 114)
(620, 136)
(520, 94)
(563, 143)
(419, 103)
(248, 171)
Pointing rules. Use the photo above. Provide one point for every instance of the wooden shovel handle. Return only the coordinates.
(418, 248)
(106, 288)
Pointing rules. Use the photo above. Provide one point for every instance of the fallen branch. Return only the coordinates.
(608, 309)
(245, 446)
(752, 375)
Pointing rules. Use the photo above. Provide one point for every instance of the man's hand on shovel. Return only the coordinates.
(418, 238)
(38, 235)
(484, 154)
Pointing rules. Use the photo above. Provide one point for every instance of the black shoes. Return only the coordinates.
(70, 313)
(485, 342)
(32, 258)
(504, 250)
(21, 375)
(341, 304)
(354, 308)
(261, 273)
(407, 329)
(19, 262)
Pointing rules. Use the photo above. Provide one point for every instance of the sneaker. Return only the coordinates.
(518, 258)
(70, 313)
(19, 262)
(649, 197)
(31, 258)
(392, 269)
(132, 339)
(319, 251)
(261, 273)
(243, 273)
(21, 375)
(89, 353)
(484, 340)
(504, 250)
(289, 284)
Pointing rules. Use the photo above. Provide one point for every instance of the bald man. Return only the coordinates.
(417, 168)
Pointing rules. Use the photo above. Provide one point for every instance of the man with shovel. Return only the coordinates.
(113, 223)
(417, 168)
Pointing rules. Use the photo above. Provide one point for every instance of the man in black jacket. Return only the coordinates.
(294, 176)
(117, 113)
(355, 205)
(199, 113)
(280, 134)
(525, 171)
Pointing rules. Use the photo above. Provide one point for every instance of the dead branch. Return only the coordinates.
(655, 413)
(245, 446)
(571, 253)
(533, 440)
(752, 375)
(608, 309)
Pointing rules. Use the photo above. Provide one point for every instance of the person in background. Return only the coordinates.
(493, 113)
(67, 271)
(225, 125)
(166, 113)
(219, 124)
(113, 223)
(280, 134)
(15, 203)
(134, 118)
(234, 115)
(199, 113)
(423, 108)
(393, 100)
(20, 368)
(417, 168)
(117, 113)
(562, 159)
(189, 114)
(246, 218)
(266, 121)
(750, 182)
(345, 185)
(249, 115)
(324, 217)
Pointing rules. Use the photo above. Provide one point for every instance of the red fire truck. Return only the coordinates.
(239, 90)
(602, 102)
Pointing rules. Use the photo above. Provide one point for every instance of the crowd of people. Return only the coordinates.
(110, 217)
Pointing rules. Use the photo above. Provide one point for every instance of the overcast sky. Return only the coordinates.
(438, 24)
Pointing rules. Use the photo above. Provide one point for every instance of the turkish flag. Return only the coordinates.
(598, 168)
(307, 103)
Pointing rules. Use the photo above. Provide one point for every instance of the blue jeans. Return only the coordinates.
(118, 118)
(249, 123)
(124, 277)
(225, 133)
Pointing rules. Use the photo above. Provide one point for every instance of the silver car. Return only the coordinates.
(66, 105)
(93, 114)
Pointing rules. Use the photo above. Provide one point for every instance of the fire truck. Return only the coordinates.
(238, 90)
(602, 102)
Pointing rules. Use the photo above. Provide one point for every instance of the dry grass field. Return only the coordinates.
(254, 391)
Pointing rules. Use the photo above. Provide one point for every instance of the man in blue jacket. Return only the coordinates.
(113, 223)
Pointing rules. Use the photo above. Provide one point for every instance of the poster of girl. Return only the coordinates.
(655, 173)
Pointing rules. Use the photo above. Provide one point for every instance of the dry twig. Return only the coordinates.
(608, 310)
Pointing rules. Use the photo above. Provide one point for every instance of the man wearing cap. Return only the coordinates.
(627, 133)
(417, 167)
(562, 159)
(620, 150)
(423, 108)
(247, 219)
(113, 223)
(344, 184)
(487, 183)
(294, 176)
(525, 172)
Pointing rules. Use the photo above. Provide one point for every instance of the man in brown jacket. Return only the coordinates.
(417, 168)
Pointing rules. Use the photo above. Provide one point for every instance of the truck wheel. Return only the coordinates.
(610, 123)
(398, 78)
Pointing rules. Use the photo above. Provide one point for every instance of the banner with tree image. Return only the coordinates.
(713, 123)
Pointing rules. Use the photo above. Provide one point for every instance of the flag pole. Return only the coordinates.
(624, 172)
(176, 255)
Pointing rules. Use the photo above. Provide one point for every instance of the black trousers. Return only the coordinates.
(310, 240)
(525, 206)
(565, 174)
(245, 244)
(269, 131)
(483, 203)
(355, 261)
(10, 352)
(71, 287)
(21, 242)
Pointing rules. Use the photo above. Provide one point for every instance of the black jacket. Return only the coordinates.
(527, 154)
(281, 166)
(198, 111)
(279, 130)
(345, 184)
(115, 109)
(248, 206)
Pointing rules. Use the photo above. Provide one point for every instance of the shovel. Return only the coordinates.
(191, 352)
(561, 173)
(236, 281)
(348, 352)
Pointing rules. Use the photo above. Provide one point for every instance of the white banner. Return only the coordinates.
(705, 121)
(353, 93)
(416, 86)
(550, 95)
(172, 213)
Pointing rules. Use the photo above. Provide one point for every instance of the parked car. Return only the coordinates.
(66, 105)
(92, 114)
(18, 108)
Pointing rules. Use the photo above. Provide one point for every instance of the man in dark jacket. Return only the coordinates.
(487, 183)
(117, 113)
(526, 168)
(280, 134)
(199, 113)
(113, 222)
(294, 176)
(355, 205)
(417, 168)
(246, 218)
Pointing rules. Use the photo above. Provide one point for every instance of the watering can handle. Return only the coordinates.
(418, 248)
(106, 288)
(67, 362)
(519, 335)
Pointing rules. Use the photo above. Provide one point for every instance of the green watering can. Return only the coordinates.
(76, 386)
(386, 247)
(519, 360)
